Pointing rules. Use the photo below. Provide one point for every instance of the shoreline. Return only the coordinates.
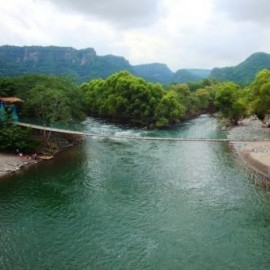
(254, 154)
(11, 163)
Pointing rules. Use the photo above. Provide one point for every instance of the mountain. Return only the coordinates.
(246, 71)
(190, 75)
(202, 73)
(83, 65)
(154, 72)
(183, 76)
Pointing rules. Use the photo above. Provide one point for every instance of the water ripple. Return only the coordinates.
(137, 205)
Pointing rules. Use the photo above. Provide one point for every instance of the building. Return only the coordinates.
(8, 108)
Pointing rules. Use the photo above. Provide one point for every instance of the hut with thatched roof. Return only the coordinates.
(9, 104)
(10, 100)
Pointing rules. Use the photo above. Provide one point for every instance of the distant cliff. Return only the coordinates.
(244, 72)
(154, 72)
(83, 65)
(190, 75)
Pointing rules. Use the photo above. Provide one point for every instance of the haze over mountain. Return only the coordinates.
(85, 65)
(154, 72)
(190, 75)
(244, 72)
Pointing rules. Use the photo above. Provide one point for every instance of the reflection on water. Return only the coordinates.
(120, 204)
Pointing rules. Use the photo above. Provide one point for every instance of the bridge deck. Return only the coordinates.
(82, 133)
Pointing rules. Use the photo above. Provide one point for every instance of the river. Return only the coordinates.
(131, 204)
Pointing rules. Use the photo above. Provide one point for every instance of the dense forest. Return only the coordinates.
(125, 98)
(85, 65)
(245, 72)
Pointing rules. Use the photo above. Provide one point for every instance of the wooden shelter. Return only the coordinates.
(8, 108)
(11, 100)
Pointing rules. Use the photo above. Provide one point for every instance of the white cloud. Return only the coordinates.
(246, 10)
(121, 12)
(186, 33)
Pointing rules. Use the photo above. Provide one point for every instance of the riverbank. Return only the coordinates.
(12, 163)
(256, 155)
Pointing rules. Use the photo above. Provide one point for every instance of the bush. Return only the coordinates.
(13, 137)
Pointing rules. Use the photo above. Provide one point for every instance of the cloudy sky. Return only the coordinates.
(179, 33)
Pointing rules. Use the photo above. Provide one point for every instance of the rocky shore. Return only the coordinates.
(11, 163)
(255, 154)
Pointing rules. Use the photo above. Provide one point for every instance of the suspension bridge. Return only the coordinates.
(146, 138)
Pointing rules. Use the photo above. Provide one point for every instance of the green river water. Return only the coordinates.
(131, 204)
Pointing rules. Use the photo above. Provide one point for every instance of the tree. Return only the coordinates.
(13, 137)
(123, 97)
(50, 105)
(51, 100)
(228, 102)
(30, 86)
(169, 109)
(206, 97)
(260, 94)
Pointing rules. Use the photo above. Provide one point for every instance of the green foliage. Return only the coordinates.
(13, 137)
(204, 97)
(185, 98)
(154, 72)
(245, 72)
(81, 65)
(124, 97)
(207, 82)
(84, 65)
(260, 94)
(49, 104)
(162, 122)
(184, 76)
(48, 98)
(7, 87)
(228, 101)
(168, 109)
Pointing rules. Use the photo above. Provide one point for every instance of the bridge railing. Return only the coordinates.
(176, 139)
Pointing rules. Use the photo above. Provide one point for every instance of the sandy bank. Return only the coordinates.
(11, 163)
(59, 142)
(255, 155)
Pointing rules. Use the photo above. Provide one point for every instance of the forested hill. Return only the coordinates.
(244, 72)
(154, 72)
(190, 75)
(83, 65)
